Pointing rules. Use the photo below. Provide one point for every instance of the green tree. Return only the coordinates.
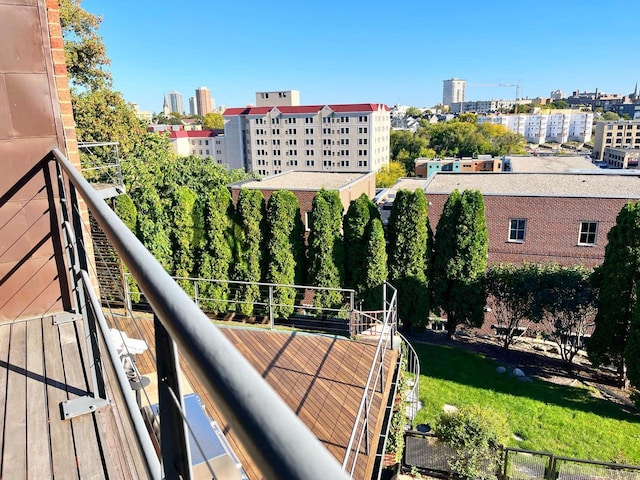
(610, 117)
(325, 254)
(467, 117)
(617, 280)
(127, 212)
(375, 271)
(409, 253)
(511, 292)
(86, 54)
(387, 176)
(284, 249)
(213, 121)
(249, 215)
(355, 225)
(566, 302)
(216, 258)
(405, 147)
(476, 435)
(183, 235)
(413, 112)
(460, 260)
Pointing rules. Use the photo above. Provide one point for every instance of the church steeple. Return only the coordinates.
(165, 106)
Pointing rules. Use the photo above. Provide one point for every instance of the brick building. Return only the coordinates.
(305, 185)
(550, 217)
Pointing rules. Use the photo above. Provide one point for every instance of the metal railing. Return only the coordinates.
(278, 442)
(101, 164)
(375, 380)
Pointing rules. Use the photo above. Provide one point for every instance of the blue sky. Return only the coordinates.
(353, 51)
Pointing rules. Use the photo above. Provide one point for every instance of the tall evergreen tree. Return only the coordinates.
(250, 212)
(216, 258)
(375, 271)
(182, 235)
(356, 226)
(618, 280)
(326, 250)
(460, 260)
(408, 256)
(284, 249)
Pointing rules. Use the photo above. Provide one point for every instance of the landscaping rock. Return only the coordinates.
(449, 408)
(518, 373)
(501, 369)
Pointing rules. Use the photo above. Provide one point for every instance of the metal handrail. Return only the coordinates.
(276, 439)
(372, 380)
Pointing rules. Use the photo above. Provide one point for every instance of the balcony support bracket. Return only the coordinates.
(82, 405)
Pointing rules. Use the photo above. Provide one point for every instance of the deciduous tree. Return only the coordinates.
(213, 121)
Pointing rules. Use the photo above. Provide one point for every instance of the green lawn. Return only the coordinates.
(565, 421)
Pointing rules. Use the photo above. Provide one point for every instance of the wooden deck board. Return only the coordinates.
(321, 378)
(4, 372)
(42, 365)
(60, 434)
(38, 454)
(85, 437)
(14, 461)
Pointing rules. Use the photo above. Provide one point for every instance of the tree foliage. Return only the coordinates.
(511, 292)
(476, 435)
(390, 174)
(460, 260)
(565, 300)
(325, 256)
(409, 254)
(618, 280)
(183, 234)
(284, 249)
(213, 121)
(216, 258)
(249, 255)
(375, 272)
(85, 52)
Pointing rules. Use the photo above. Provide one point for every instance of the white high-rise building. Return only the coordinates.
(453, 91)
(559, 126)
(174, 100)
(193, 106)
(319, 138)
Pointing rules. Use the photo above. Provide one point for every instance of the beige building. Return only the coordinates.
(283, 98)
(453, 91)
(316, 138)
(621, 157)
(203, 101)
(621, 134)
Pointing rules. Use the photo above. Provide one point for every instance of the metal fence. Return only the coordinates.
(423, 452)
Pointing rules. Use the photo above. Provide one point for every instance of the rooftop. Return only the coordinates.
(602, 184)
(551, 164)
(298, 180)
(339, 108)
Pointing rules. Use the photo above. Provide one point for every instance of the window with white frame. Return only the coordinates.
(588, 233)
(517, 229)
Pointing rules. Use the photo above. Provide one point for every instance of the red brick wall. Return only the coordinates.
(552, 229)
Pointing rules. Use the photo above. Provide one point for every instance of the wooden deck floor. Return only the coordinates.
(42, 365)
(321, 379)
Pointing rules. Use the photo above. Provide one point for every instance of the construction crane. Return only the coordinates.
(510, 85)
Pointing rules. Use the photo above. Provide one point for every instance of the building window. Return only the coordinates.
(588, 233)
(517, 227)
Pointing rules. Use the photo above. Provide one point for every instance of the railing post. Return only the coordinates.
(271, 307)
(366, 426)
(196, 292)
(173, 435)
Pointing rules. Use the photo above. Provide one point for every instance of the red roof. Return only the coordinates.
(192, 134)
(340, 108)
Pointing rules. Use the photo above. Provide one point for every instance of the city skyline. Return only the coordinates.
(363, 52)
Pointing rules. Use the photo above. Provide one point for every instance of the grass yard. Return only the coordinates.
(562, 420)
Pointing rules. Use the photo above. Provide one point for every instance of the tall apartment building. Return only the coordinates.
(203, 100)
(283, 98)
(193, 106)
(319, 138)
(540, 128)
(453, 91)
(174, 101)
(621, 134)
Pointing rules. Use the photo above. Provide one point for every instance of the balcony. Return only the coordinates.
(96, 389)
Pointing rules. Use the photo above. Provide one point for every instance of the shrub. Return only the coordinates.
(476, 436)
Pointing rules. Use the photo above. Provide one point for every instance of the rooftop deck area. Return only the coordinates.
(41, 365)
